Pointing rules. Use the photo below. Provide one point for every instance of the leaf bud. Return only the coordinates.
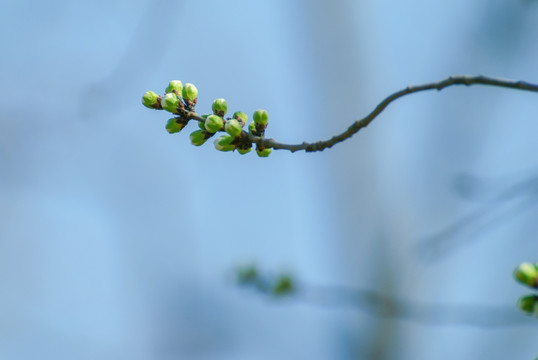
(247, 274)
(190, 92)
(241, 117)
(244, 151)
(171, 103)
(527, 274)
(199, 137)
(223, 143)
(151, 100)
(263, 152)
(260, 117)
(219, 107)
(175, 86)
(233, 128)
(214, 123)
(174, 125)
(283, 285)
(201, 124)
(252, 128)
(528, 303)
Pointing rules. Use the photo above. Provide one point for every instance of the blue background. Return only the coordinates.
(118, 240)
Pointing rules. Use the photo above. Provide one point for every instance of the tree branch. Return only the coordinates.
(361, 123)
(434, 314)
(378, 304)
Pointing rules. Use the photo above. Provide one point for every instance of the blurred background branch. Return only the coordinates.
(377, 304)
(500, 200)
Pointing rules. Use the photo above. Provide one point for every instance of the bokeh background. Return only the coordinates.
(119, 241)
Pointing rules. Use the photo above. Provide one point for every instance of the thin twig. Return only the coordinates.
(379, 304)
(520, 196)
(436, 314)
(361, 123)
(385, 306)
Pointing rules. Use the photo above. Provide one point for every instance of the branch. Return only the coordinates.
(512, 201)
(181, 101)
(381, 305)
(433, 314)
(361, 123)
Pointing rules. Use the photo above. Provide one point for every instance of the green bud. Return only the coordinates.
(198, 137)
(528, 303)
(283, 285)
(247, 275)
(173, 126)
(220, 107)
(170, 103)
(190, 92)
(223, 143)
(241, 117)
(256, 129)
(175, 86)
(201, 124)
(252, 128)
(527, 274)
(264, 152)
(233, 128)
(214, 123)
(260, 117)
(151, 100)
(244, 151)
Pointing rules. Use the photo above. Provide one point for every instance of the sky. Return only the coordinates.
(119, 240)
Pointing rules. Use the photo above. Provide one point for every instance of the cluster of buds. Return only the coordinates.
(181, 100)
(282, 284)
